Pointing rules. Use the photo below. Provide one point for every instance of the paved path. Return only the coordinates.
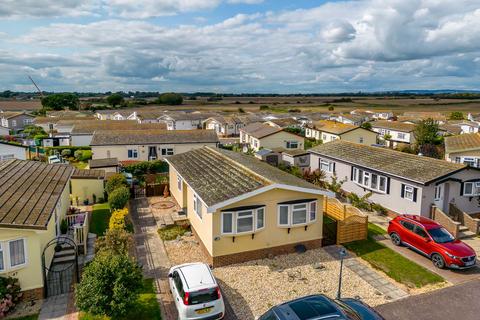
(457, 302)
(152, 255)
(59, 307)
(376, 280)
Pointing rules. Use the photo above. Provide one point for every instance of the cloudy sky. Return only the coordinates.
(279, 46)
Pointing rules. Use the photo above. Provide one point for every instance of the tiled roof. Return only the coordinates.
(408, 166)
(218, 175)
(333, 126)
(285, 122)
(393, 125)
(88, 174)
(152, 136)
(29, 191)
(462, 142)
(12, 114)
(260, 130)
(90, 126)
(102, 163)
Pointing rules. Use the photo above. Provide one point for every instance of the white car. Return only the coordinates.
(196, 292)
(54, 159)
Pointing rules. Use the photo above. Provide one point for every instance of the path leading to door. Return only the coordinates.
(152, 255)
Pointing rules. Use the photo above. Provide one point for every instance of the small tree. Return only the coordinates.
(170, 98)
(366, 125)
(110, 285)
(335, 184)
(117, 241)
(115, 181)
(118, 198)
(316, 177)
(456, 115)
(115, 99)
(331, 108)
(60, 101)
(360, 202)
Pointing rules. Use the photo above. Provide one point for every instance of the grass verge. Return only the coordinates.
(30, 317)
(146, 306)
(392, 263)
(100, 218)
(172, 232)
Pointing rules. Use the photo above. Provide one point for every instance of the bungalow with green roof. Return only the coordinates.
(401, 182)
(241, 208)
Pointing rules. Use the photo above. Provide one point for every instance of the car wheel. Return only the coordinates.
(396, 240)
(438, 261)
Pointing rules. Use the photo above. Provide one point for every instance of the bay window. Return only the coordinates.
(241, 221)
(297, 213)
(370, 180)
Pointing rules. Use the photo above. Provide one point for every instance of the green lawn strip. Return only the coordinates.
(100, 218)
(146, 306)
(79, 164)
(393, 264)
(374, 230)
(171, 232)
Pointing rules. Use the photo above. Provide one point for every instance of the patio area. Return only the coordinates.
(166, 211)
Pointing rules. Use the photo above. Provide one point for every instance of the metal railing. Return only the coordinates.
(78, 224)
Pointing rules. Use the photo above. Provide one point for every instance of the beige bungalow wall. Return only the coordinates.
(469, 154)
(82, 189)
(360, 136)
(30, 275)
(121, 151)
(279, 140)
(208, 227)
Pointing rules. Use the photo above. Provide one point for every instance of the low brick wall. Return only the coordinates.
(33, 294)
(254, 254)
(439, 216)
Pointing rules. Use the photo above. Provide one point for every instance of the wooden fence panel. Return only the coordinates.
(352, 224)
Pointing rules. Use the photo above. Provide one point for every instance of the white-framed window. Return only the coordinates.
(179, 183)
(13, 254)
(297, 214)
(292, 144)
(2, 259)
(27, 121)
(167, 151)
(438, 192)
(132, 153)
(401, 135)
(370, 180)
(470, 161)
(409, 192)
(326, 166)
(471, 188)
(197, 206)
(14, 123)
(243, 221)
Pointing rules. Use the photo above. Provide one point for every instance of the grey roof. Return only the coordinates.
(260, 130)
(404, 165)
(88, 174)
(393, 125)
(462, 142)
(217, 175)
(88, 127)
(29, 192)
(103, 163)
(136, 137)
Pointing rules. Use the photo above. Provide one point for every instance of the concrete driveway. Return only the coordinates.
(452, 276)
(457, 302)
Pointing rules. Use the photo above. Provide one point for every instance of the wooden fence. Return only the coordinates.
(352, 224)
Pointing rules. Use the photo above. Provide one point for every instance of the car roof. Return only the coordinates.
(309, 307)
(196, 276)
(425, 222)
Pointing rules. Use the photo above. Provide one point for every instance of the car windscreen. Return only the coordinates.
(440, 235)
(203, 296)
(313, 308)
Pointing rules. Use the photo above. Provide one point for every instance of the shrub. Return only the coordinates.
(86, 155)
(109, 286)
(64, 226)
(77, 154)
(117, 241)
(9, 294)
(379, 208)
(66, 153)
(170, 98)
(145, 167)
(264, 107)
(117, 219)
(360, 202)
(331, 108)
(172, 232)
(118, 198)
(114, 182)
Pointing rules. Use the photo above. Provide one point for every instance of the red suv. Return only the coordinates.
(432, 240)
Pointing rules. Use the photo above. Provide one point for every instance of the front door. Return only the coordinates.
(152, 153)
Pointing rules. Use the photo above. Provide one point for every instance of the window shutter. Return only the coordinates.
(351, 174)
(403, 191)
(388, 185)
(333, 166)
(462, 185)
(415, 194)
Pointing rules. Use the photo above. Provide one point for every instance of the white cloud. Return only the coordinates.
(341, 46)
(46, 8)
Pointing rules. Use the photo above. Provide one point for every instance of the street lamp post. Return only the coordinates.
(342, 253)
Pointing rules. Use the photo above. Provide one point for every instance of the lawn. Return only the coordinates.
(79, 164)
(31, 317)
(146, 306)
(100, 218)
(393, 264)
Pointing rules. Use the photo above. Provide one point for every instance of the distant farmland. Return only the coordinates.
(20, 105)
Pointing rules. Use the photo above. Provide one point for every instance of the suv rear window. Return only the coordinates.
(203, 296)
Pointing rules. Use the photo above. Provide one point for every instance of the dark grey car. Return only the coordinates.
(321, 307)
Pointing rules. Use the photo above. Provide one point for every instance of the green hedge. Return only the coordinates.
(145, 167)
(50, 150)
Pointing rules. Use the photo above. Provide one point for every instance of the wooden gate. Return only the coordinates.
(329, 231)
(352, 224)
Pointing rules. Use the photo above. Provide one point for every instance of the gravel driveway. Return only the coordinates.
(254, 287)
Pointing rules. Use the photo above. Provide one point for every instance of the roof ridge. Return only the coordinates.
(240, 165)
